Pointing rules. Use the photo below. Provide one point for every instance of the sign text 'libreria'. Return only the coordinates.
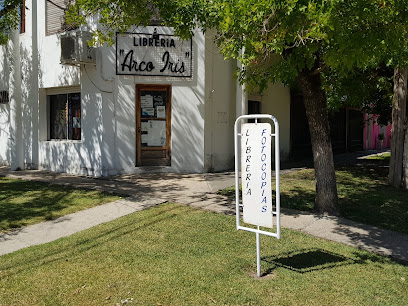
(153, 55)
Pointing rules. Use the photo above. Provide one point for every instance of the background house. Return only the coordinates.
(376, 137)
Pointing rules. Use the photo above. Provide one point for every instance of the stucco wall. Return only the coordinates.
(275, 101)
(108, 143)
(4, 111)
(4, 134)
(220, 109)
(52, 73)
(29, 101)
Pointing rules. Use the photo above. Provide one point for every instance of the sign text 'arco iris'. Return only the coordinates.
(153, 55)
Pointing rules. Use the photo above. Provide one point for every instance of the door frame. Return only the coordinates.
(167, 147)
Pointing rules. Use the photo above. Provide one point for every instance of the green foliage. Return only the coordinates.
(282, 38)
(352, 43)
(121, 16)
(9, 18)
(276, 39)
(370, 90)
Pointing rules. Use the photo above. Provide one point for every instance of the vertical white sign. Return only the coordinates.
(256, 174)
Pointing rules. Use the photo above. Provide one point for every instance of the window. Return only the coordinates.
(55, 16)
(4, 97)
(65, 116)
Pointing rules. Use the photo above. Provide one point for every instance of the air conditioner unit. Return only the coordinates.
(75, 48)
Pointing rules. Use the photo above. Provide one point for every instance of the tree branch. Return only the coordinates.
(9, 7)
(318, 70)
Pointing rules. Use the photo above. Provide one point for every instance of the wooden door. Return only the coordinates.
(355, 127)
(153, 125)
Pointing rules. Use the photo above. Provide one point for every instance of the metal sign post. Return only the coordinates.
(255, 160)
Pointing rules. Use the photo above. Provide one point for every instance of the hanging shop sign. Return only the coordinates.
(153, 55)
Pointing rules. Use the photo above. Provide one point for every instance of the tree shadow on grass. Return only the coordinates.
(21, 200)
(26, 202)
(299, 199)
(79, 244)
(364, 196)
(307, 260)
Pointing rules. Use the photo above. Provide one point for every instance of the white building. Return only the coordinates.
(124, 110)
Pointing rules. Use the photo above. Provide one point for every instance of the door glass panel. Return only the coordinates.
(153, 133)
(153, 118)
(153, 125)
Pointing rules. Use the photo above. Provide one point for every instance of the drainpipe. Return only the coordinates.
(241, 96)
(241, 101)
(16, 129)
(34, 87)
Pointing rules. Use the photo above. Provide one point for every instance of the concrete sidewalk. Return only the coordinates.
(197, 190)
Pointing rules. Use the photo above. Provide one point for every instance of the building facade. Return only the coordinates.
(151, 102)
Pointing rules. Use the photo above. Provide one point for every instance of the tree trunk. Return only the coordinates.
(316, 111)
(398, 121)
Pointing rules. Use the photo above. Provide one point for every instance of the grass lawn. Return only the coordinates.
(385, 157)
(24, 202)
(177, 255)
(364, 196)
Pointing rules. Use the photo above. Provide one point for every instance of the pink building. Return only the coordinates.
(372, 134)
